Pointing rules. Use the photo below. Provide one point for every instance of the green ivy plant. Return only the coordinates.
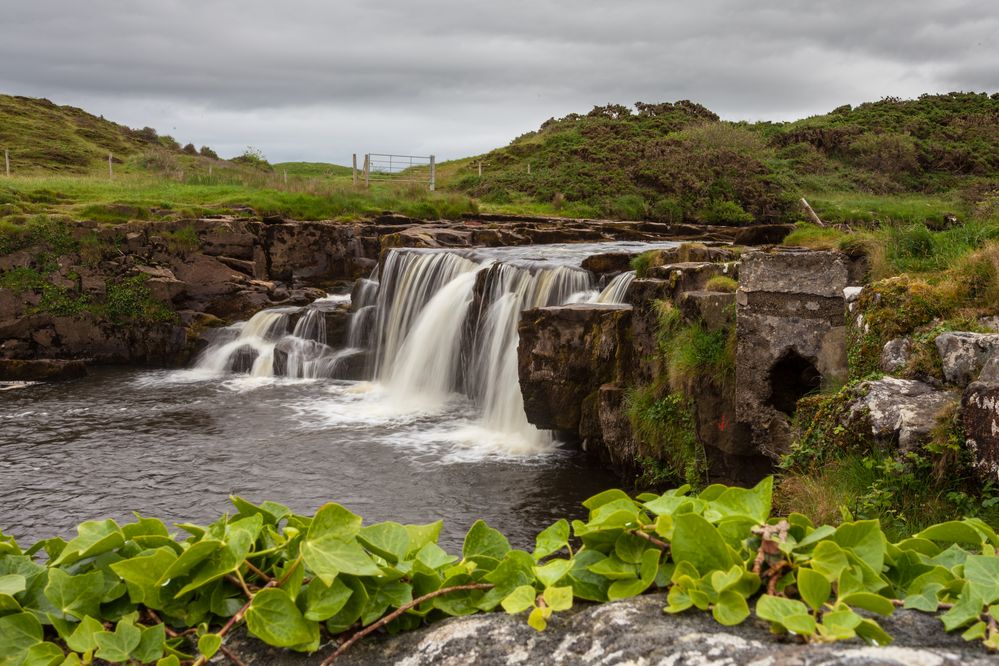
(135, 593)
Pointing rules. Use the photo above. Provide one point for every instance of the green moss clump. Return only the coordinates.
(722, 283)
(183, 240)
(665, 429)
(129, 300)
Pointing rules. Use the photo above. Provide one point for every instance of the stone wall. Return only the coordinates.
(791, 338)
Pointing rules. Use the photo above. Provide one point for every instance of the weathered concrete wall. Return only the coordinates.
(791, 336)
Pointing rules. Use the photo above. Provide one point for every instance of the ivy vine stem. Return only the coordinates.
(398, 612)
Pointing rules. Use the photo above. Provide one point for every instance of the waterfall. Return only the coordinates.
(431, 328)
(614, 292)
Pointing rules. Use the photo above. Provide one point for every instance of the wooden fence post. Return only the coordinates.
(433, 173)
(110, 168)
(6, 161)
(353, 169)
(480, 168)
(528, 168)
(367, 169)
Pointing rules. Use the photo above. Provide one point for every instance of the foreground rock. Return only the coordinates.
(42, 370)
(902, 409)
(634, 631)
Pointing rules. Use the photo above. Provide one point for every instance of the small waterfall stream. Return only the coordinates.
(428, 328)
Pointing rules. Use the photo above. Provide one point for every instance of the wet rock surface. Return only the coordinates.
(566, 353)
(634, 631)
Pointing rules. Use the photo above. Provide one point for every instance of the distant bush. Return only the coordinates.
(726, 213)
(208, 152)
(189, 149)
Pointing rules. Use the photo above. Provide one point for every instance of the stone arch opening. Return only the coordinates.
(792, 377)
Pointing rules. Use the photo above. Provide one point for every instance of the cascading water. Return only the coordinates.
(434, 327)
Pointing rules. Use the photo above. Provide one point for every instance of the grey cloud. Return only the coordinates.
(318, 80)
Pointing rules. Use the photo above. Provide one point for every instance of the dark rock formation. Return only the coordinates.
(792, 336)
(42, 370)
(566, 353)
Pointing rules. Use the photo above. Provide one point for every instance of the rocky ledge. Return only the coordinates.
(634, 631)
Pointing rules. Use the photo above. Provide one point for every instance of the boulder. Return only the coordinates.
(565, 354)
(715, 310)
(691, 276)
(608, 262)
(980, 422)
(243, 358)
(633, 631)
(963, 354)
(895, 355)
(902, 409)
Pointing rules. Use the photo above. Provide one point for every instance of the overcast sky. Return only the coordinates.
(320, 79)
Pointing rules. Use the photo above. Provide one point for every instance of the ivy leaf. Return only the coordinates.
(485, 545)
(813, 587)
(730, 609)
(954, 531)
(558, 598)
(93, 538)
(18, 633)
(389, 540)
(323, 601)
(226, 559)
(351, 611)
(209, 644)
(586, 584)
(982, 572)
(82, 639)
(151, 644)
(328, 556)
(78, 596)
(192, 556)
(606, 497)
(12, 584)
(143, 573)
(839, 625)
(434, 557)
(383, 597)
(118, 645)
(872, 632)
(869, 601)
(43, 654)
(790, 614)
(829, 560)
(552, 572)
(519, 600)
(926, 600)
(865, 538)
(274, 618)
(334, 521)
(421, 536)
(550, 540)
(753, 503)
(697, 541)
(538, 619)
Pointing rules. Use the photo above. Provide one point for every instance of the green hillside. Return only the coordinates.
(673, 162)
(41, 135)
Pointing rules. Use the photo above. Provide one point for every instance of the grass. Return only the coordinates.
(722, 283)
(141, 196)
(664, 426)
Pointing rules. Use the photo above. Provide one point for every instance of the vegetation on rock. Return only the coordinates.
(134, 593)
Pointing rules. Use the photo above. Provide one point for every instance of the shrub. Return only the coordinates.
(726, 213)
(641, 263)
(205, 151)
(667, 210)
(189, 149)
